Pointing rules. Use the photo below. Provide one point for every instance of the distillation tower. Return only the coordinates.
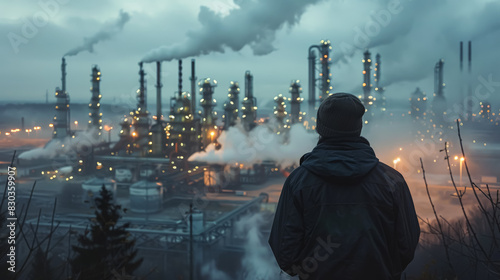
(323, 83)
(95, 122)
(140, 120)
(61, 119)
(367, 86)
(249, 104)
(231, 106)
(418, 104)
(379, 90)
(295, 100)
(209, 131)
(158, 134)
(183, 139)
(439, 101)
(280, 113)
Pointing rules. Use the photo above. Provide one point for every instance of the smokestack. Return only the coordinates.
(193, 88)
(142, 87)
(461, 105)
(158, 92)
(22, 124)
(312, 79)
(95, 116)
(180, 77)
(378, 72)
(63, 76)
(438, 78)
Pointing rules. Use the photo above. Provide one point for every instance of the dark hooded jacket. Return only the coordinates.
(342, 214)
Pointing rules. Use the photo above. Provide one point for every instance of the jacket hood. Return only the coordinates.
(340, 158)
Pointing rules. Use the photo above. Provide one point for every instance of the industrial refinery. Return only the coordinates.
(190, 171)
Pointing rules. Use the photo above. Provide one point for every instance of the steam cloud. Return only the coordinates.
(211, 272)
(107, 32)
(258, 145)
(67, 146)
(258, 261)
(254, 23)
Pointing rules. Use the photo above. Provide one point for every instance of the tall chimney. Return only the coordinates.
(142, 87)
(63, 76)
(461, 105)
(180, 77)
(378, 72)
(94, 105)
(193, 88)
(312, 78)
(158, 92)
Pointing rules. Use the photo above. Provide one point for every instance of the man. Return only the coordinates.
(343, 214)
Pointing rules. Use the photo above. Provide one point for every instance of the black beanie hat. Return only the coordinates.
(340, 115)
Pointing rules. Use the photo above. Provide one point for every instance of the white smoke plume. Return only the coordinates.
(210, 271)
(65, 146)
(253, 23)
(258, 261)
(109, 30)
(260, 144)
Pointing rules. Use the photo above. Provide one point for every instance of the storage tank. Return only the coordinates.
(146, 196)
(123, 174)
(146, 171)
(92, 187)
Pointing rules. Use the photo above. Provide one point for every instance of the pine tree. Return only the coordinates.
(105, 246)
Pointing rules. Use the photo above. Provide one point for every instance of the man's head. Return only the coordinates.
(340, 115)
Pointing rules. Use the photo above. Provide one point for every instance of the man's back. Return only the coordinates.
(344, 215)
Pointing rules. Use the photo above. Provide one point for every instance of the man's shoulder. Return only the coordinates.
(386, 175)
(300, 177)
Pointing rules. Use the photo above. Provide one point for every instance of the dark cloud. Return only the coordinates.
(410, 44)
(253, 23)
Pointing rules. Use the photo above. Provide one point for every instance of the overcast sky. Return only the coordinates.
(268, 37)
